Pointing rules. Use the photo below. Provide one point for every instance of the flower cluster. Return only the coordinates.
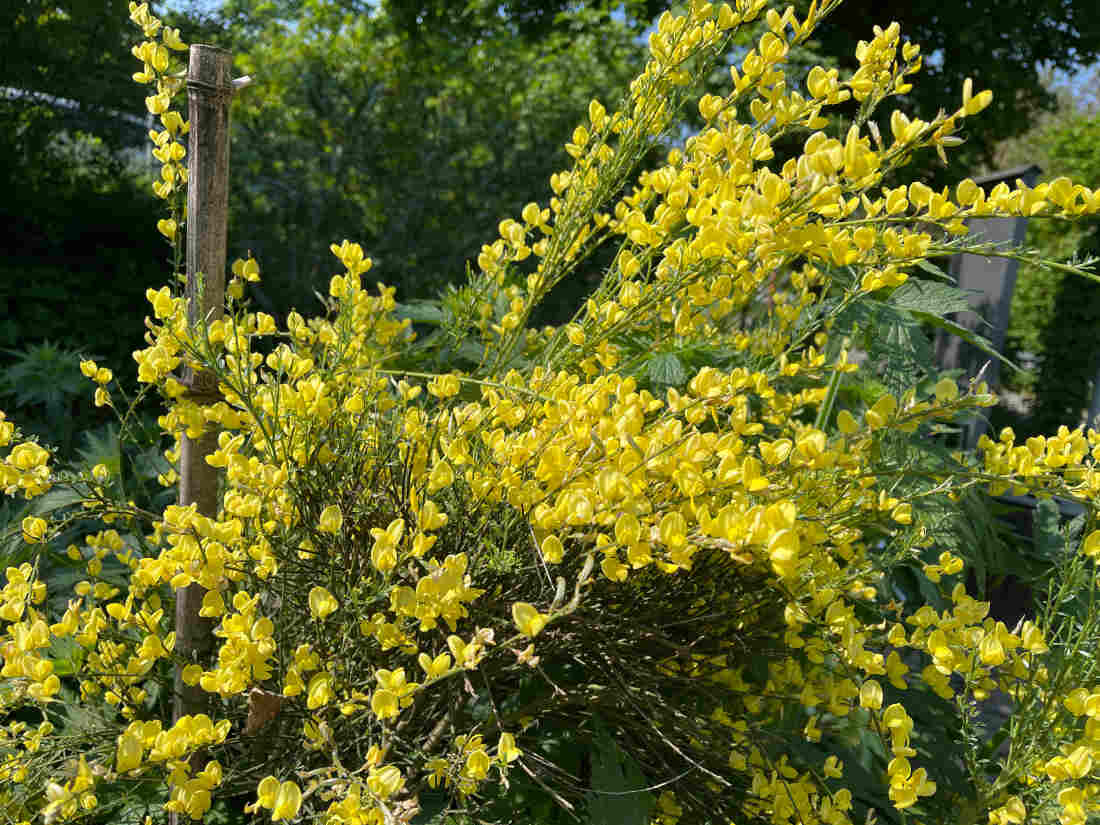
(670, 501)
(25, 469)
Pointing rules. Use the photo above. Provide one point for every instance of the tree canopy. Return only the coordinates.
(1054, 316)
(416, 139)
(999, 44)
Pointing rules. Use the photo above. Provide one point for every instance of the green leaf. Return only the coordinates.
(470, 351)
(420, 312)
(934, 270)
(903, 353)
(1075, 530)
(617, 783)
(971, 337)
(1049, 541)
(101, 446)
(931, 297)
(667, 369)
(66, 656)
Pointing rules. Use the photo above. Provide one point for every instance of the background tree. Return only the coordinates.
(75, 181)
(1054, 318)
(999, 44)
(69, 257)
(413, 132)
(376, 107)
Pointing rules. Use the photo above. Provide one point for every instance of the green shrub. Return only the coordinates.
(678, 559)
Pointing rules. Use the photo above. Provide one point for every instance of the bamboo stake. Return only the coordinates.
(209, 90)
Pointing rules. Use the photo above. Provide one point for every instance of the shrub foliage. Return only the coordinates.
(674, 532)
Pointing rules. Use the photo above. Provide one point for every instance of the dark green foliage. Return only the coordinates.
(618, 787)
(894, 332)
(70, 206)
(76, 264)
(1069, 348)
(67, 66)
(998, 44)
(1055, 316)
(79, 246)
(44, 383)
(414, 139)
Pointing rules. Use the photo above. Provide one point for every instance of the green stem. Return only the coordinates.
(826, 408)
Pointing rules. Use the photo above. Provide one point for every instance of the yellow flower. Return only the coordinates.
(896, 670)
(212, 604)
(331, 519)
(752, 476)
(552, 550)
(783, 550)
(191, 674)
(628, 530)
(613, 568)
(1032, 638)
(444, 386)
(386, 544)
(811, 731)
(881, 412)
(384, 704)
(351, 256)
(34, 529)
(129, 753)
(441, 476)
(477, 764)
(164, 305)
(438, 666)
(1013, 812)
(319, 692)
(972, 104)
(466, 654)
(158, 104)
(321, 603)
(385, 782)
(870, 695)
(946, 390)
(506, 748)
(266, 792)
(172, 39)
(1091, 546)
(990, 650)
(903, 513)
(247, 269)
(529, 621)
(1079, 762)
(28, 456)
(288, 800)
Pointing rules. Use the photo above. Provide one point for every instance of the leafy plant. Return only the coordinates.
(678, 558)
(1052, 314)
(44, 381)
